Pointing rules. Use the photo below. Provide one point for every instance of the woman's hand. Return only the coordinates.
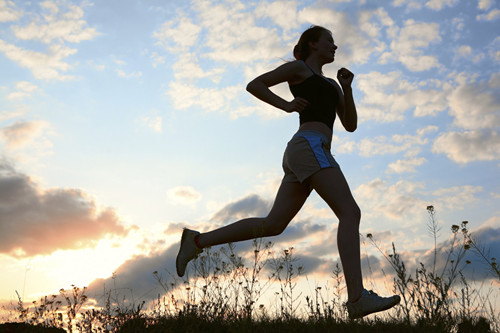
(345, 77)
(298, 104)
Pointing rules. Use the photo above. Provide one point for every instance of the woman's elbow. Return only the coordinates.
(351, 127)
(251, 86)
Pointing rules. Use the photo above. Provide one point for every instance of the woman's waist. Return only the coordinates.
(316, 127)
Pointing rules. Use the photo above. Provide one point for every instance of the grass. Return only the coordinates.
(223, 293)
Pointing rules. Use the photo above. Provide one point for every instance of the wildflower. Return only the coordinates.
(454, 228)
(430, 209)
(467, 262)
(369, 236)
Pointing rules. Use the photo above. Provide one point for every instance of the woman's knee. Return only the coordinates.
(274, 227)
(352, 214)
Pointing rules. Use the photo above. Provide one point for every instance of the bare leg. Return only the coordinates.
(289, 200)
(332, 186)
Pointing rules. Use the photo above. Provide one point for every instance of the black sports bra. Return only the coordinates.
(322, 96)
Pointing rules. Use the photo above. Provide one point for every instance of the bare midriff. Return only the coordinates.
(318, 127)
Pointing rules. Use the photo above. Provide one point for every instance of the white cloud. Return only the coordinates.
(469, 146)
(485, 4)
(178, 35)
(8, 11)
(62, 218)
(381, 145)
(465, 52)
(492, 15)
(248, 43)
(21, 133)
(440, 4)
(46, 66)
(125, 75)
(410, 4)
(410, 43)
(387, 96)
(455, 197)
(494, 50)
(283, 13)
(406, 165)
(371, 22)
(183, 195)
(475, 105)
(155, 122)
(187, 68)
(209, 99)
(57, 24)
(394, 201)
(23, 89)
(353, 45)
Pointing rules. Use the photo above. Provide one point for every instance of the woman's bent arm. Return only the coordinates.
(289, 72)
(350, 119)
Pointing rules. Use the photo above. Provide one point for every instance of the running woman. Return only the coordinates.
(308, 165)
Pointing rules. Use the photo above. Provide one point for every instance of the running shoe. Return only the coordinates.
(187, 251)
(370, 302)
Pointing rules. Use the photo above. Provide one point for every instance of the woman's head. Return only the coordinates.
(303, 49)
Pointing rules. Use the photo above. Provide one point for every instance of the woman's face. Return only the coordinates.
(325, 47)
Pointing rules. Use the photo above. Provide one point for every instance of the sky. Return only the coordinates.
(121, 122)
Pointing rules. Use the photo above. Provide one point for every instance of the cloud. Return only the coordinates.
(21, 133)
(484, 4)
(134, 75)
(468, 146)
(36, 221)
(183, 195)
(23, 89)
(283, 13)
(440, 4)
(406, 165)
(178, 35)
(494, 50)
(184, 96)
(382, 145)
(56, 23)
(465, 52)
(59, 23)
(134, 279)
(8, 11)
(252, 205)
(248, 43)
(155, 122)
(386, 97)
(475, 105)
(410, 4)
(491, 16)
(354, 44)
(409, 45)
(187, 68)
(45, 66)
(399, 201)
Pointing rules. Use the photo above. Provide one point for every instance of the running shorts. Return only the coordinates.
(306, 153)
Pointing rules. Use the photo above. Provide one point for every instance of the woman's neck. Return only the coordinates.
(315, 65)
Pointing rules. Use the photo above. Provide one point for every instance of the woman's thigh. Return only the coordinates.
(289, 200)
(332, 187)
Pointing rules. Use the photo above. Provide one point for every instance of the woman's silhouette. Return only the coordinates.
(307, 163)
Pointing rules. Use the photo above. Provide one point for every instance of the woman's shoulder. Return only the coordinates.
(299, 71)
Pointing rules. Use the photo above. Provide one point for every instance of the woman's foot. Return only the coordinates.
(187, 251)
(370, 302)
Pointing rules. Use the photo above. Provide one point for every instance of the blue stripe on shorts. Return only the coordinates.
(316, 143)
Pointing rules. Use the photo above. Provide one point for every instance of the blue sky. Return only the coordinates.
(123, 121)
